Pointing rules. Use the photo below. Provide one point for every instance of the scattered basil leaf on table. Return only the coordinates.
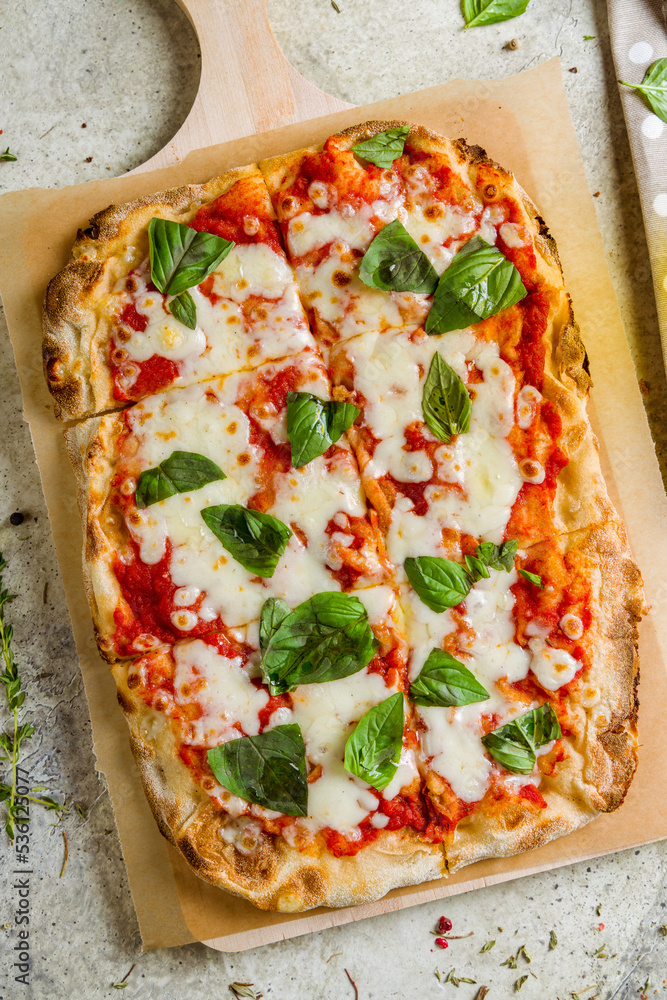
(514, 744)
(445, 681)
(8, 156)
(268, 770)
(254, 539)
(323, 639)
(532, 578)
(183, 308)
(182, 472)
(394, 262)
(654, 88)
(181, 258)
(274, 612)
(385, 147)
(314, 424)
(440, 583)
(445, 401)
(478, 283)
(373, 751)
(480, 12)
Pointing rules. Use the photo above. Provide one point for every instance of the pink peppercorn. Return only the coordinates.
(444, 925)
(441, 943)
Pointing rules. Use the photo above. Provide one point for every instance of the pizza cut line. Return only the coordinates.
(347, 544)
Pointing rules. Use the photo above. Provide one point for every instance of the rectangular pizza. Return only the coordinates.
(347, 544)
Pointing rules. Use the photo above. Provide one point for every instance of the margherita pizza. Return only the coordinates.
(370, 611)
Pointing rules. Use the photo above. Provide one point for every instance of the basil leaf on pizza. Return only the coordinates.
(9, 157)
(478, 283)
(440, 583)
(444, 681)
(500, 557)
(183, 308)
(385, 147)
(532, 578)
(654, 88)
(314, 424)
(513, 745)
(489, 556)
(323, 639)
(180, 256)
(273, 613)
(394, 262)
(445, 401)
(268, 770)
(373, 751)
(182, 472)
(254, 539)
(480, 12)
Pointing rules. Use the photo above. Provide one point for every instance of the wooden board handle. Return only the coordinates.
(247, 85)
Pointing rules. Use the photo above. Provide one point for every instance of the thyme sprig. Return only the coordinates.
(11, 741)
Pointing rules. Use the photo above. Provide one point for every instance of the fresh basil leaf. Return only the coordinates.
(394, 262)
(385, 147)
(182, 472)
(498, 556)
(180, 256)
(8, 156)
(654, 88)
(532, 578)
(445, 681)
(510, 749)
(477, 569)
(268, 770)
(323, 639)
(183, 308)
(479, 12)
(514, 744)
(373, 751)
(254, 539)
(478, 283)
(440, 583)
(445, 401)
(274, 611)
(314, 424)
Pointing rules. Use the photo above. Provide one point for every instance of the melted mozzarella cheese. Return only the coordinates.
(223, 690)
(552, 667)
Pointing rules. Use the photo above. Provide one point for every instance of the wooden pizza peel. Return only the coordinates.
(252, 104)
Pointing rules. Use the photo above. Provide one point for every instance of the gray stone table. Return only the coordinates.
(91, 88)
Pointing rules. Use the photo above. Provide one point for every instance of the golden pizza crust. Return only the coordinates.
(77, 330)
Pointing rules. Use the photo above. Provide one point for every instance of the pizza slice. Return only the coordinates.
(170, 290)
(526, 694)
(194, 514)
(457, 447)
(335, 818)
(373, 217)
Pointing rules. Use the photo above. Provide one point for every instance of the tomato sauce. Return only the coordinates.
(241, 215)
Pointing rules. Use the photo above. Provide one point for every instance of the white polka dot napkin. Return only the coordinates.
(639, 37)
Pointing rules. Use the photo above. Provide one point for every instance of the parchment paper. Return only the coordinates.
(524, 123)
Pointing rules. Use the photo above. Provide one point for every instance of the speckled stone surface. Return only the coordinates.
(129, 69)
